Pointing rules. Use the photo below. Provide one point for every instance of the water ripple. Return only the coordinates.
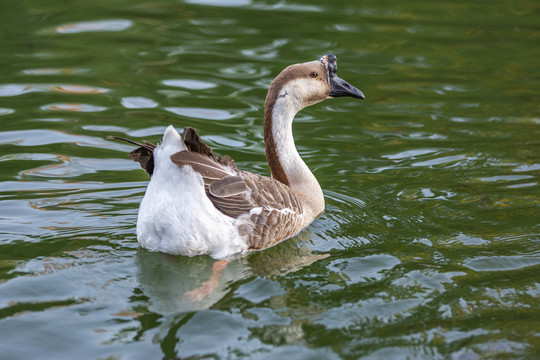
(440, 161)
(244, 71)
(55, 71)
(368, 268)
(410, 154)
(202, 113)
(70, 166)
(501, 263)
(20, 89)
(6, 111)
(37, 137)
(93, 26)
(73, 107)
(219, 3)
(138, 102)
(189, 84)
(269, 51)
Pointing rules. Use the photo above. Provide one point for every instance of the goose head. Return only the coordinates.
(308, 83)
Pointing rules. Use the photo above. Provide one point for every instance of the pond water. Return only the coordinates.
(430, 244)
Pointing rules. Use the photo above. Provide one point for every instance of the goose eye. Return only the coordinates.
(313, 75)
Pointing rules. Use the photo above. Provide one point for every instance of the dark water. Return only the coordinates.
(430, 245)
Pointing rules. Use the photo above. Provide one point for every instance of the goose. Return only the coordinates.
(198, 203)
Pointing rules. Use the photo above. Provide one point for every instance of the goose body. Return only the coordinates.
(197, 203)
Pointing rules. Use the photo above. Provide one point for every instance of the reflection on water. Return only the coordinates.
(429, 244)
(168, 280)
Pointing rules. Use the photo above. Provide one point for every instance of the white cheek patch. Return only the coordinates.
(305, 92)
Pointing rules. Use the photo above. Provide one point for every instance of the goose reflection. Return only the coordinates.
(179, 284)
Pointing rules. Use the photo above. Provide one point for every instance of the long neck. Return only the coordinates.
(286, 165)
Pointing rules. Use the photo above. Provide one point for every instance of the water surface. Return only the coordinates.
(430, 244)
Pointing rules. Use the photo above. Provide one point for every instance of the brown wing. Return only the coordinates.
(236, 193)
(208, 167)
(224, 186)
(282, 213)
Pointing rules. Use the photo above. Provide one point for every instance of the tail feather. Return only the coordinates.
(194, 143)
(144, 154)
(147, 145)
(145, 158)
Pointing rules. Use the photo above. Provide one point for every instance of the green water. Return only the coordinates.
(430, 244)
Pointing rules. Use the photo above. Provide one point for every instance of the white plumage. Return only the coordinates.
(176, 216)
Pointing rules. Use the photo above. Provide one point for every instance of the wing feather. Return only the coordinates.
(209, 168)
